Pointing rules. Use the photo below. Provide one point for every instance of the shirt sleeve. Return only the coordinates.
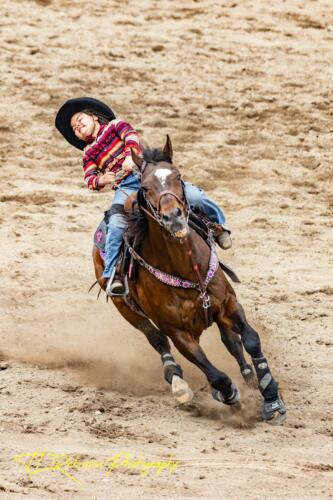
(129, 136)
(90, 175)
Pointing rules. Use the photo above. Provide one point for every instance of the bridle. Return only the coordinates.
(155, 212)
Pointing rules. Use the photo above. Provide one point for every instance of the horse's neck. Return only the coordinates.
(171, 256)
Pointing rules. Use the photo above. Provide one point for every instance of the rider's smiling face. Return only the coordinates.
(84, 125)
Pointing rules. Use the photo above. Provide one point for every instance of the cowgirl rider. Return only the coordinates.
(90, 125)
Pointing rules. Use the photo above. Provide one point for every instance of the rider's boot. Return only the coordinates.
(224, 240)
(115, 286)
(221, 235)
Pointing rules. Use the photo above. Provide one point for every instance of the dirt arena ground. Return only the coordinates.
(244, 88)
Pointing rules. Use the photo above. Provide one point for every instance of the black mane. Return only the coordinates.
(155, 155)
(137, 225)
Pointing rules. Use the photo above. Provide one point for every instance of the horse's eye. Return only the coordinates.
(144, 189)
(178, 177)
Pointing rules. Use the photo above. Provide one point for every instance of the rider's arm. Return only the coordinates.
(90, 175)
(94, 179)
(129, 136)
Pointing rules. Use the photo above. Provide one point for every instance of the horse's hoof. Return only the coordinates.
(233, 399)
(274, 412)
(181, 390)
(249, 377)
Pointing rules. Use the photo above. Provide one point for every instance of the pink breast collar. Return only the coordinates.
(169, 279)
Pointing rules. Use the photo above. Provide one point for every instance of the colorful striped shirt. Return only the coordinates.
(108, 152)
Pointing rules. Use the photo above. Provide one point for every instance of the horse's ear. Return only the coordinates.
(168, 148)
(137, 159)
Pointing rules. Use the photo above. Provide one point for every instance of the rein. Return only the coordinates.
(168, 279)
(206, 304)
(156, 210)
(177, 282)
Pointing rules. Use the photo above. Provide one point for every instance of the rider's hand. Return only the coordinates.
(107, 178)
(128, 165)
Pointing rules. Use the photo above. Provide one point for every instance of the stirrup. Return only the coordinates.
(111, 282)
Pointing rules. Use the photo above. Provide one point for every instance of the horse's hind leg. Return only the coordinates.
(234, 345)
(223, 389)
(273, 408)
(173, 372)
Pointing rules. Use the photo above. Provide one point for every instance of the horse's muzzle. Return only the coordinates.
(175, 223)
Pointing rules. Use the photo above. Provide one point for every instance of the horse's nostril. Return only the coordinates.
(174, 214)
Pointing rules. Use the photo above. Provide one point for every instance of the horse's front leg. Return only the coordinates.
(273, 409)
(173, 372)
(234, 345)
(222, 387)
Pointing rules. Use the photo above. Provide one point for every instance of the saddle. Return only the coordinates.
(130, 207)
(100, 241)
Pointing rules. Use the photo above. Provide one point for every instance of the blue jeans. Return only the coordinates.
(196, 197)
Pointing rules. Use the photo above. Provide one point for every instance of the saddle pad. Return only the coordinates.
(100, 236)
(100, 233)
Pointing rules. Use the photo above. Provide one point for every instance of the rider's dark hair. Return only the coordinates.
(103, 120)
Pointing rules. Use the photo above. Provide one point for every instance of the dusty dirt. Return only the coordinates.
(244, 88)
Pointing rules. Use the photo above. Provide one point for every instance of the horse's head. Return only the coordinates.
(162, 192)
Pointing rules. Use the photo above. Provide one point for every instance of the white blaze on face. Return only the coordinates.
(162, 174)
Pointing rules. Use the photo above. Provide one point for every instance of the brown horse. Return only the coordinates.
(180, 312)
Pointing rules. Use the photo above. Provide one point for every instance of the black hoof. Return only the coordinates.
(232, 399)
(248, 375)
(274, 412)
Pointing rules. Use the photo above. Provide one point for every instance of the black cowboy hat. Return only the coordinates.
(72, 106)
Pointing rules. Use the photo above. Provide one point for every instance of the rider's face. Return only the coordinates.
(83, 125)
